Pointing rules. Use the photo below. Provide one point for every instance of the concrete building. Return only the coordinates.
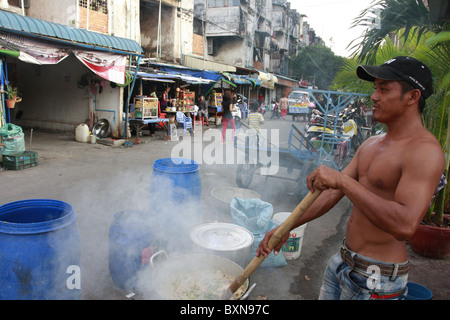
(167, 29)
(255, 34)
(287, 27)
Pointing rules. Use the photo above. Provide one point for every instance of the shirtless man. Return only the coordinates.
(390, 181)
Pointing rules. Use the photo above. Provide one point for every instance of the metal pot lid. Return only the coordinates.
(221, 236)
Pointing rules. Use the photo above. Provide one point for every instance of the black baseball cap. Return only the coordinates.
(401, 68)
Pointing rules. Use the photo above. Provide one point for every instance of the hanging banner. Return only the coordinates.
(106, 65)
(32, 51)
(109, 66)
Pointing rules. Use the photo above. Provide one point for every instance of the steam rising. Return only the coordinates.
(169, 222)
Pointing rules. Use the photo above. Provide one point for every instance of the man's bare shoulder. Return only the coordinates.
(425, 143)
(421, 139)
(419, 147)
(371, 141)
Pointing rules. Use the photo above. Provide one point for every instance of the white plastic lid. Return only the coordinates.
(221, 236)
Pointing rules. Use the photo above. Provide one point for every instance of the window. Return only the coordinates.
(95, 5)
(198, 26)
(223, 3)
(215, 3)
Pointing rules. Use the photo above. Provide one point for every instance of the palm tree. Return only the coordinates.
(347, 80)
(408, 16)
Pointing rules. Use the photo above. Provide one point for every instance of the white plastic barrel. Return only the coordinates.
(292, 248)
(82, 133)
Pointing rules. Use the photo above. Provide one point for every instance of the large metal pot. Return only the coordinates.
(190, 266)
(101, 129)
(227, 240)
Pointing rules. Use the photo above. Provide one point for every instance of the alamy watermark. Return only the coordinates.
(376, 21)
(74, 280)
(206, 147)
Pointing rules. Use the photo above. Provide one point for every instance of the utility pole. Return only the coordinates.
(158, 43)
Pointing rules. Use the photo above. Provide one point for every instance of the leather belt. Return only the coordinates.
(389, 270)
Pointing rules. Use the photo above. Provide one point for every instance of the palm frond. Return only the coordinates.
(411, 16)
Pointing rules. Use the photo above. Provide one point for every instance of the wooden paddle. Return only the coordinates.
(276, 238)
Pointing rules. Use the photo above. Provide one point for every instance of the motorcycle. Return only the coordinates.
(354, 123)
(275, 111)
(344, 126)
(241, 104)
(316, 125)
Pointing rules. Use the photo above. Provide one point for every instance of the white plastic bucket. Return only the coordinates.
(292, 248)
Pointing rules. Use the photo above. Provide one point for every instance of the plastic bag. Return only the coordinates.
(13, 145)
(10, 130)
(13, 139)
(256, 216)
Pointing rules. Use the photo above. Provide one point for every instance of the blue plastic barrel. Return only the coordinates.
(130, 247)
(418, 292)
(40, 251)
(175, 195)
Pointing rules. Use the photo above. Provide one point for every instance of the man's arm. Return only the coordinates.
(327, 200)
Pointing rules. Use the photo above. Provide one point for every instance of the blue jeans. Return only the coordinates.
(340, 282)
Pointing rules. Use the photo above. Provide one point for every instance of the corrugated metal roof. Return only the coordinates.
(11, 22)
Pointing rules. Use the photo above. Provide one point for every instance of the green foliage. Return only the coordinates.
(316, 64)
(346, 78)
(11, 92)
(411, 16)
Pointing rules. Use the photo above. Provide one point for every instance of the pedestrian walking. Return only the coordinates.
(284, 105)
(255, 118)
(227, 117)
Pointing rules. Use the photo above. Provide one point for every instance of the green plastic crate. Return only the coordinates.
(23, 160)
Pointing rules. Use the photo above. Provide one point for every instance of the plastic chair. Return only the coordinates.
(161, 115)
(184, 121)
(200, 119)
(244, 111)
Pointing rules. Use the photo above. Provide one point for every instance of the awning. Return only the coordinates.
(268, 80)
(44, 30)
(202, 64)
(241, 80)
(167, 77)
(263, 76)
(238, 79)
(155, 77)
(211, 76)
(288, 82)
(41, 42)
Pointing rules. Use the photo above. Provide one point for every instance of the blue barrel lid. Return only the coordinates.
(35, 216)
(175, 165)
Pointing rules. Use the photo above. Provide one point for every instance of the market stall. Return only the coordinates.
(145, 111)
(215, 107)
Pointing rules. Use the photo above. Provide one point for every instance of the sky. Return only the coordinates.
(332, 19)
